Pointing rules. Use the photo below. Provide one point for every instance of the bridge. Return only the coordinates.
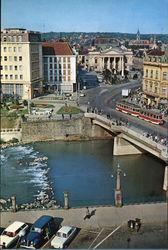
(128, 140)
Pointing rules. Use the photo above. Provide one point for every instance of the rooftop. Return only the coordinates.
(57, 48)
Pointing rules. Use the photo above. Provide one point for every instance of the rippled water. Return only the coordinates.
(83, 169)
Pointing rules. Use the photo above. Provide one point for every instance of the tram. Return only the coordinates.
(134, 110)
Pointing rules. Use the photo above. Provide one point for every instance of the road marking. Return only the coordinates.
(95, 238)
(48, 242)
(107, 236)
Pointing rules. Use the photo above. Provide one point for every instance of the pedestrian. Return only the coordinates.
(70, 115)
(62, 116)
(87, 214)
(3, 245)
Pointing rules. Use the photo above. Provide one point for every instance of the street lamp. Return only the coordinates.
(118, 191)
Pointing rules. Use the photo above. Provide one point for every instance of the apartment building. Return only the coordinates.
(59, 65)
(155, 78)
(21, 63)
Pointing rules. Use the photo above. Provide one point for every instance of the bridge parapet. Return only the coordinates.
(131, 135)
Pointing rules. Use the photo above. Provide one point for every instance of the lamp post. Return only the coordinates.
(118, 193)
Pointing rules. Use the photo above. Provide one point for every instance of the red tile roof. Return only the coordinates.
(156, 53)
(57, 48)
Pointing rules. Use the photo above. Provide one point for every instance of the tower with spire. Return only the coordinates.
(138, 36)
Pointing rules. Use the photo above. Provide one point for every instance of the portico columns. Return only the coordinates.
(114, 63)
(122, 66)
(102, 63)
(108, 63)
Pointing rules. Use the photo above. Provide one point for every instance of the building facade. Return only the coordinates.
(155, 78)
(59, 65)
(21, 63)
(116, 60)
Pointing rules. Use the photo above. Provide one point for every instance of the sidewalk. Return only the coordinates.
(104, 216)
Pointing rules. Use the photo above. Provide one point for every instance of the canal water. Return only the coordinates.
(84, 169)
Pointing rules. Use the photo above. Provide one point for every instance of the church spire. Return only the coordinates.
(138, 35)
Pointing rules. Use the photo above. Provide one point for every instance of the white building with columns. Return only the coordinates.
(116, 60)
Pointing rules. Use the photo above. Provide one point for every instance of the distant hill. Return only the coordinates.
(91, 35)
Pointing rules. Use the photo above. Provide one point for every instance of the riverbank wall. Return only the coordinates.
(72, 129)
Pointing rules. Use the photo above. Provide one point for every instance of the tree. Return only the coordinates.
(25, 103)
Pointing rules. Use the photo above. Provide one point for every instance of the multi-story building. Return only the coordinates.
(155, 78)
(116, 60)
(59, 64)
(21, 63)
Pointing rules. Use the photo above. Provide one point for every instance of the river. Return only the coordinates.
(83, 169)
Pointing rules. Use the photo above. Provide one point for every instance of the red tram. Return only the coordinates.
(135, 110)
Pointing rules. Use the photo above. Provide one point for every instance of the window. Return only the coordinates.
(69, 78)
(9, 39)
(64, 59)
(14, 38)
(164, 91)
(5, 58)
(19, 38)
(64, 66)
(146, 73)
(20, 58)
(156, 74)
(50, 59)
(11, 77)
(151, 73)
(95, 60)
(6, 77)
(55, 66)
(15, 58)
(4, 38)
(60, 59)
(6, 67)
(5, 49)
(10, 67)
(20, 67)
(55, 78)
(156, 88)
(20, 49)
(1, 67)
(64, 78)
(69, 72)
(164, 75)
(69, 66)
(15, 67)
(14, 49)
(60, 78)
(64, 72)
(69, 59)
(16, 77)
(50, 66)
(150, 86)
(55, 59)
(10, 58)
(21, 77)
(10, 49)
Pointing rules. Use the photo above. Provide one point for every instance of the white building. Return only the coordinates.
(21, 63)
(59, 63)
(116, 60)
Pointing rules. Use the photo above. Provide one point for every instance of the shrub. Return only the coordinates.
(16, 101)
(2, 141)
(32, 104)
(14, 140)
(25, 103)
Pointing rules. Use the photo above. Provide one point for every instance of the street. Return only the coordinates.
(104, 97)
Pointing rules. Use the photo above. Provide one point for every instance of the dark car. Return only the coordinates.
(42, 229)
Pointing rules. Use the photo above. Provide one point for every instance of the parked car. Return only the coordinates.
(42, 229)
(82, 94)
(12, 233)
(63, 237)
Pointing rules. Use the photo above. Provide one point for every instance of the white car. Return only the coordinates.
(12, 233)
(63, 237)
(82, 94)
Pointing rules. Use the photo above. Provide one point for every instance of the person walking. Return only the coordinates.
(87, 214)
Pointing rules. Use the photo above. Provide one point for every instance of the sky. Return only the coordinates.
(150, 16)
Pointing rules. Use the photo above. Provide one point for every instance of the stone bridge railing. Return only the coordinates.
(113, 127)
